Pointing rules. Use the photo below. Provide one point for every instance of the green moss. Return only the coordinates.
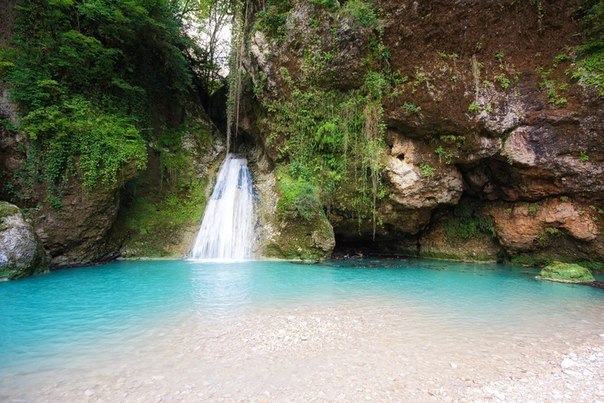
(566, 273)
(541, 260)
(468, 222)
(152, 222)
(151, 225)
(548, 235)
(309, 240)
(7, 209)
(530, 260)
(591, 265)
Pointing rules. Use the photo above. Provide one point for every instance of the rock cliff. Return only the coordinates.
(493, 147)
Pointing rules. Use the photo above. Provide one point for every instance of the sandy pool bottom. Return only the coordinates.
(346, 352)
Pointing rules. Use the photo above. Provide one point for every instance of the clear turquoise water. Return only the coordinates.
(52, 315)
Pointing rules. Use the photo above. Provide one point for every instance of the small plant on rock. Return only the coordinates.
(427, 170)
(409, 107)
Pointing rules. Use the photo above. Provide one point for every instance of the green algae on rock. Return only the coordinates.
(566, 273)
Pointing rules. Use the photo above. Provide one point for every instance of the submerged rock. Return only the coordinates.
(566, 273)
(21, 253)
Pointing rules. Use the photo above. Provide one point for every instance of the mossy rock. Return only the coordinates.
(566, 273)
(304, 240)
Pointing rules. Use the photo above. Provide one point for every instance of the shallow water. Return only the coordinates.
(145, 314)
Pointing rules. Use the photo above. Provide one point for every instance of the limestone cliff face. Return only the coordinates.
(482, 109)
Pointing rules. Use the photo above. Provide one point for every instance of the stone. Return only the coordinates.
(527, 226)
(21, 253)
(567, 363)
(566, 273)
(413, 186)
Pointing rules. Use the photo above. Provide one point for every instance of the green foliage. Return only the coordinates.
(548, 235)
(151, 222)
(468, 222)
(503, 81)
(590, 71)
(427, 170)
(584, 156)
(452, 140)
(552, 87)
(589, 68)
(412, 108)
(533, 209)
(299, 198)
(75, 132)
(473, 107)
(85, 75)
(155, 214)
(330, 140)
(362, 12)
(448, 146)
(329, 4)
(271, 20)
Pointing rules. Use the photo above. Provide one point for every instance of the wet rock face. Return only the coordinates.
(21, 253)
(483, 107)
(281, 238)
(521, 226)
(76, 232)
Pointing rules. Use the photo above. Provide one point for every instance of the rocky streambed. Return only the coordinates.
(349, 352)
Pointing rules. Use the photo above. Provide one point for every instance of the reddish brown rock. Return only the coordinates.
(520, 227)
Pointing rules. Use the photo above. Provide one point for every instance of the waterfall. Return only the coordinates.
(227, 227)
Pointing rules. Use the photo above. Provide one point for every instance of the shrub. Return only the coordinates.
(298, 197)
(104, 143)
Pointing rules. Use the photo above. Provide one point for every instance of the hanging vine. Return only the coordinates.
(240, 17)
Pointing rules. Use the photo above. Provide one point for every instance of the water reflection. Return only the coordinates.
(218, 289)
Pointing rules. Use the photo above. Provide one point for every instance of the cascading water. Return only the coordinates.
(226, 231)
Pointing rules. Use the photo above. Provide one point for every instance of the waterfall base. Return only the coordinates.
(227, 231)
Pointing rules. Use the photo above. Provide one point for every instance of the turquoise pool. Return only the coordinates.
(45, 318)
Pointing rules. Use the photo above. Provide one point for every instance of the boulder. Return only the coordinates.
(21, 253)
(566, 273)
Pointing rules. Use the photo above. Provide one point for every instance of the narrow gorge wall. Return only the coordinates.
(492, 139)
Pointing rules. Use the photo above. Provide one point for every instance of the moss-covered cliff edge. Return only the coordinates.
(433, 129)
